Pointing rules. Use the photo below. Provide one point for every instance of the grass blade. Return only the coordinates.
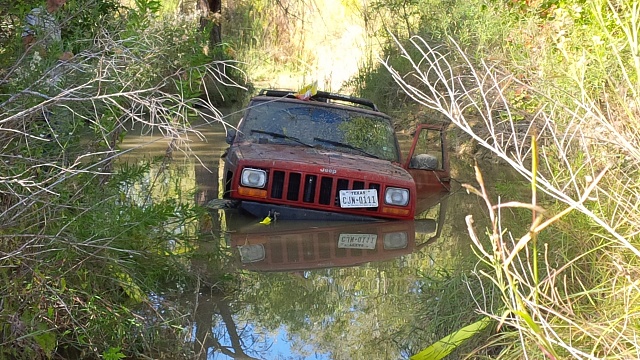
(449, 343)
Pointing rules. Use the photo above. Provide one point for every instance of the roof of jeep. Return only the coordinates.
(326, 97)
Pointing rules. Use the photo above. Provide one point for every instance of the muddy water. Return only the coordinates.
(316, 290)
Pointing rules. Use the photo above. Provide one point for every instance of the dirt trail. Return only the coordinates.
(338, 42)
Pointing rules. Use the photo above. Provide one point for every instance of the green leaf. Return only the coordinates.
(47, 342)
(113, 353)
(129, 286)
(450, 342)
(532, 324)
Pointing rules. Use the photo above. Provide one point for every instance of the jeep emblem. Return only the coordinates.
(329, 171)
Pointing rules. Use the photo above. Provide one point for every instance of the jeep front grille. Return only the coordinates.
(314, 189)
(317, 247)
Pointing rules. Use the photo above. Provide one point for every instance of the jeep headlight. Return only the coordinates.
(396, 196)
(254, 178)
(395, 240)
(251, 253)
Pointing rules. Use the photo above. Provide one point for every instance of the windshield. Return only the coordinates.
(315, 124)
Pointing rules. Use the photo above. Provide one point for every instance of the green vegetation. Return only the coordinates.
(84, 253)
(564, 76)
(548, 88)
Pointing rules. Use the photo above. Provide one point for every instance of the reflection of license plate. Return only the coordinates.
(357, 241)
(359, 198)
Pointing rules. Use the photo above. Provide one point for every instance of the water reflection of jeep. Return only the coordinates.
(307, 245)
(289, 247)
(332, 157)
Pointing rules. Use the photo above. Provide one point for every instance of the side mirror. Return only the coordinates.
(424, 162)
(231, 135)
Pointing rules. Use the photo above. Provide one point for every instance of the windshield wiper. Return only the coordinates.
(347, 146)
(281, 136)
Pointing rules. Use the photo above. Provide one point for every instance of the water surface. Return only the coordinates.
(301, 290)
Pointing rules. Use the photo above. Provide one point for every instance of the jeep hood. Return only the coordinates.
(299, 157)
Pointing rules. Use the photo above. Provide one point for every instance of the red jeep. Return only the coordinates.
(332, 157)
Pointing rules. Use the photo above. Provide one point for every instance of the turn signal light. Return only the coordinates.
(257, 193)
(394, 211)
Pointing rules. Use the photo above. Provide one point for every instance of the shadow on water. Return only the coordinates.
(301, 290)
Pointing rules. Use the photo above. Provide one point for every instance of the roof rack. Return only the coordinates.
(322, 96)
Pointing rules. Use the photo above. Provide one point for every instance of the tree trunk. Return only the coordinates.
(210, 11)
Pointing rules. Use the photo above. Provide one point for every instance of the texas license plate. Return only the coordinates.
(364, 198)
(357, 241)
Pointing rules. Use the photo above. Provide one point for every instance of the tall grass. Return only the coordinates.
(479, 28)
(268, 37)
(576, 143)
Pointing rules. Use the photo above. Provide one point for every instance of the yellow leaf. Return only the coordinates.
(307, 91)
